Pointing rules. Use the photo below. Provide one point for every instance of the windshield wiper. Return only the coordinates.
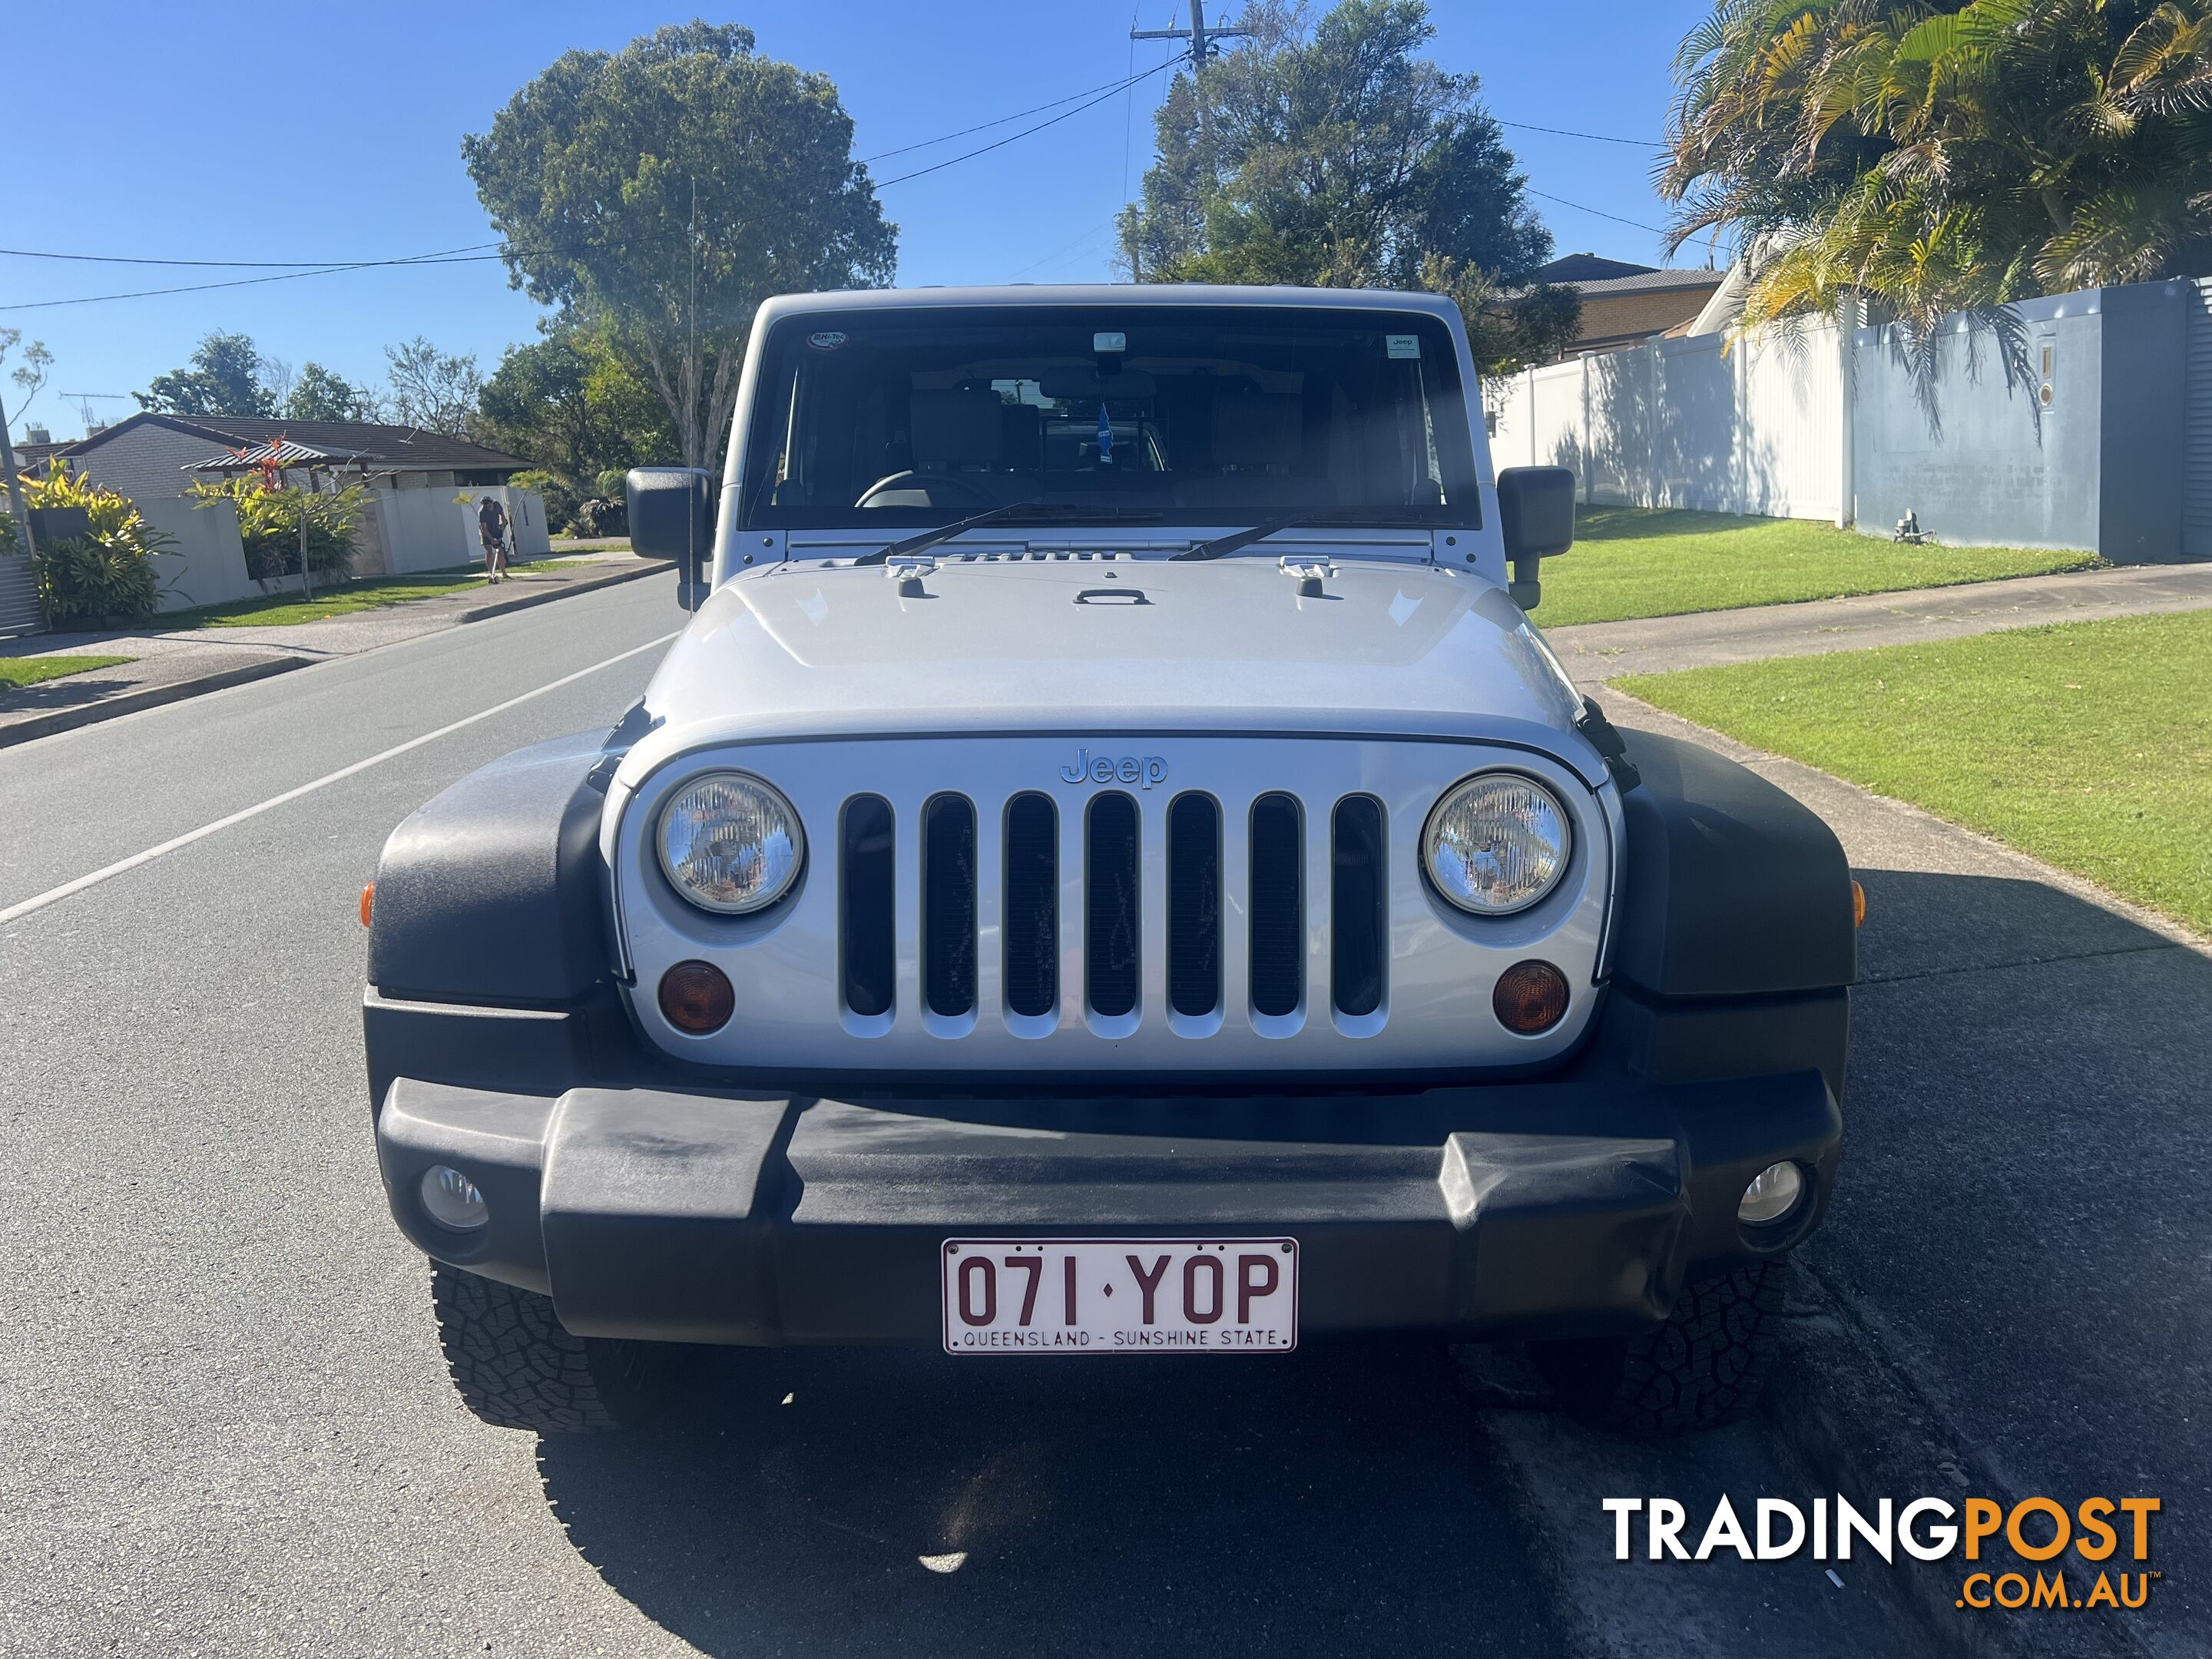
(1314, 518)
(1039, 512)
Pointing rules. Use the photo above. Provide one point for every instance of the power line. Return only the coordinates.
(1011, 138)
(1637, 223)
(253, 281)
(451, 257)
(1058, 254)
(1568, 132)
(231, 265)
(984, 126)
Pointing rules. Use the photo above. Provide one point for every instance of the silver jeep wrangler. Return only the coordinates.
(1109, 868)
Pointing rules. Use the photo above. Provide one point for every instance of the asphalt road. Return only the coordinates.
(226, 1428)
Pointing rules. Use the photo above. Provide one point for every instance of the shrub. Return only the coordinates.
(87, 580)
(612, 484)
(560, 495)
(602, 517)
(269, 525)
(108, 575)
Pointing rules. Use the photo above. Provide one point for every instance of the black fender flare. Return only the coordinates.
(494, 891)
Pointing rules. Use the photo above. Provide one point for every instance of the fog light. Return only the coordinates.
(451, 1198)
(1772, 1195)
(1530, 997)
(697, 997)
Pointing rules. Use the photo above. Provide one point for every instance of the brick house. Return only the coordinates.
(1624, 303)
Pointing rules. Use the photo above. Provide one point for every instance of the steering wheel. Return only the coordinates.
(931, 484)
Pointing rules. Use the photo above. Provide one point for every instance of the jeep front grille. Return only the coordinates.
(1112, 881)
(1031, 921)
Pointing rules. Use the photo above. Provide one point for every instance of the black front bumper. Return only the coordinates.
(1576, 1206)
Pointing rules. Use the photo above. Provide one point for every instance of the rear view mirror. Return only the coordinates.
(671, 516)
(1536, 519)
(1083, 386)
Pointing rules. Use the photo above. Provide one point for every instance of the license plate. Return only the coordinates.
(1072, 1295)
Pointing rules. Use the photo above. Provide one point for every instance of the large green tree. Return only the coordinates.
(661, 192)
(322, 394)
(570, 403)
(432, 389)
(1330, 152)
(225, 378)
(1933, 156)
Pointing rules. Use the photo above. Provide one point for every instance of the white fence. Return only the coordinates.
(1758, 428)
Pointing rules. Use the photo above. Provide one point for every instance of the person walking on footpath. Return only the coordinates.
(491, 530)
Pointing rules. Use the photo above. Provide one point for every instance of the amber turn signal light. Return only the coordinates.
(1531, 997)
(1858, 905)
(367, 902)
(697, 997)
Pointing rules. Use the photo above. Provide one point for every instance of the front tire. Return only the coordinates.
(517, 1367)
(1702, 1368)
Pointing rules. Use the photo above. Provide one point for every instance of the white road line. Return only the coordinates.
(54, 896)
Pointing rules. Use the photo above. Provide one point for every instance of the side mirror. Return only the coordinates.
(671, 516)
(1537, 517)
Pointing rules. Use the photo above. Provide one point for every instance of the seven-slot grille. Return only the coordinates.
(1108, 888)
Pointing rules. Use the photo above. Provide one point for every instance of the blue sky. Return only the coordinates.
(334, 132)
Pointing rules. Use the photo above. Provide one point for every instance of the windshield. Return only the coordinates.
(1202, 414)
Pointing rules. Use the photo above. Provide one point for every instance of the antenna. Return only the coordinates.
(84, 401)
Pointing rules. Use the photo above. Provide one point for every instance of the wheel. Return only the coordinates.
(1702, 1368)
(517, 1368)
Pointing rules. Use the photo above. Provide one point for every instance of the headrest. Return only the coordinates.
(956, 428)
(1022, 427)
(1258, 428)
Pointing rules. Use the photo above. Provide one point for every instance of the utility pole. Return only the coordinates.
(15, 490)
(1201, 38)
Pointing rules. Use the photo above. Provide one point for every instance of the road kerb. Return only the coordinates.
(68, 720)
(525, 601)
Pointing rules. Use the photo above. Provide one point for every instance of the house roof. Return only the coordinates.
(1649, 281)
(386, 447)
(1585, 268)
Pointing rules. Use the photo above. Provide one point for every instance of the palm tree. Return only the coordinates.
(1928, 157)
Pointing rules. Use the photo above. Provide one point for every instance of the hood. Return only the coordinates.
(1036, 644)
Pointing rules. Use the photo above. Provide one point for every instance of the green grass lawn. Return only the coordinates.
(283, 609)
(31, 671)
(1635, 561)
(2089, 744)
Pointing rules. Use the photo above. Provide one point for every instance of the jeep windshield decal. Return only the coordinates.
(1236, 416)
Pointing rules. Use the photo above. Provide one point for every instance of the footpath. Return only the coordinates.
(167, 664)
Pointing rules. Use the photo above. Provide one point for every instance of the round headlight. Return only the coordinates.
(1496, 843)
(731, 843)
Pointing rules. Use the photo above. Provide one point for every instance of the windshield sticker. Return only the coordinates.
(830, 339)
(1103, 342)
(1402, 345)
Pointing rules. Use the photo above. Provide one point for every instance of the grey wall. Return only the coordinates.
(1989, 473)
(2145, 382)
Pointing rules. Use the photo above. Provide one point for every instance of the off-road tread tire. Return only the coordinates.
(517, 1367)
(1702, 1368)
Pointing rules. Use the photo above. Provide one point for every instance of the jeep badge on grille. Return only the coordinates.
(1144, 772)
